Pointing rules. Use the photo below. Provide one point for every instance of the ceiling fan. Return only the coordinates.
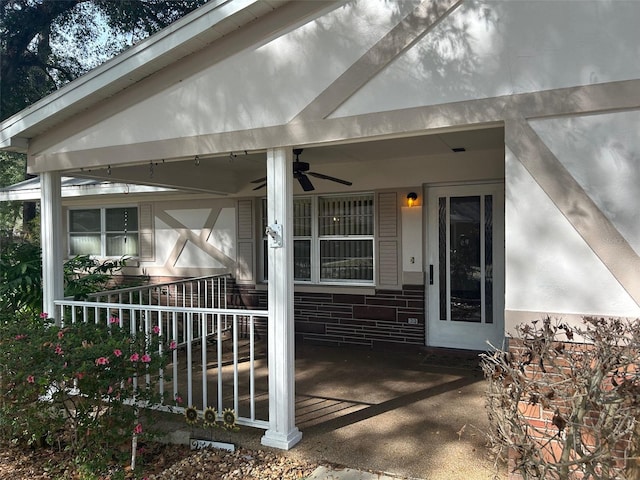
(300, 172)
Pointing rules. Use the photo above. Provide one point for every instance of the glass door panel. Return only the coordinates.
(464, 295)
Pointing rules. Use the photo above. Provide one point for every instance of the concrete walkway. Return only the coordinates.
(325, 473)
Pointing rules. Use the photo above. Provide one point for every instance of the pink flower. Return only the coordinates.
(146, 358)
(178, 399)
(31, 379)
(60, 334)
(102, 361)
(59, 350)
(156, 329)
(44, 315)
(173, 345)
(21, 336)
(117, 352)
(114, 320)
(80, 375)
(137, 430)
(135, 357)
(110, 390)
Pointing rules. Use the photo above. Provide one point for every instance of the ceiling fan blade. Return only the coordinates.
(305, 183)
(259, 180)
(260, 186)
(327, 177)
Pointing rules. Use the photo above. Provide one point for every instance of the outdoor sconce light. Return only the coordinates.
(411, 198)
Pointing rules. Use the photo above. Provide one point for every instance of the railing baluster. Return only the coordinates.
(235, 362)
(189, 323)
(219, 344)
(252, 377)
(161, 333)
(147, 339)
(174, 331)
(133, 330)
(205, 396)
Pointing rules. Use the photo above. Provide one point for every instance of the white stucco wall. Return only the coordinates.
(549, 267)
(602, 152)
(483, 49)
(174, 250)
(261, 86)
(492, 48)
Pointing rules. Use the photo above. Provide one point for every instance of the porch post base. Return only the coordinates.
(279, 440)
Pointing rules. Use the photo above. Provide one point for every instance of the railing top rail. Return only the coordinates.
(160, 308)
(152, 285)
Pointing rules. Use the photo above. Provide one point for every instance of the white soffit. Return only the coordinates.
(183, 37)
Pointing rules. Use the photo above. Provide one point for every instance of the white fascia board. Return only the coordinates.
(179, 39)
(72, 191)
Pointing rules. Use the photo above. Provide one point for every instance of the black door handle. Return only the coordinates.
(430, 274)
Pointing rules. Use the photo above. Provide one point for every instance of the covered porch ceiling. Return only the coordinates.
(234, 172)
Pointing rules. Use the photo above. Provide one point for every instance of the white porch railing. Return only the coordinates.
(198, 292)
(193, 314)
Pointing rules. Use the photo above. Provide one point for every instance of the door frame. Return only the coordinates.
(463, 335)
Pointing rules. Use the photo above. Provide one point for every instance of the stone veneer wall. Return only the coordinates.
(352, 319)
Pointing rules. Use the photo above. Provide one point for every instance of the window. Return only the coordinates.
(105, 232)
(332, 239)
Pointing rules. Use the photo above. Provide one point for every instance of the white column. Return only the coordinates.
(282, 432)
(51, 240)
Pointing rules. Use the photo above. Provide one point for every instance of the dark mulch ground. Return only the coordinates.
(51, 463)
(155, 462)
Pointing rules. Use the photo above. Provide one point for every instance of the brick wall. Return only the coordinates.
(379, 320)
(540, 414)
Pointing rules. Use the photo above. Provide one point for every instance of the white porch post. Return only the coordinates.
(282, 432)
(51, 240)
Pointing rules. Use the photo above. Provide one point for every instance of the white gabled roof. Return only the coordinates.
(191, 33)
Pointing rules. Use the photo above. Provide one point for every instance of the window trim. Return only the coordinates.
(315, 240)
(103, 230)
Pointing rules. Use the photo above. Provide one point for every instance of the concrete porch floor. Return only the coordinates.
(394, 412)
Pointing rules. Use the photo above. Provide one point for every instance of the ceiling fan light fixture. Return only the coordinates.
(300, 172)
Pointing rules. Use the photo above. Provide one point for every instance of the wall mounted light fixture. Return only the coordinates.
(411, 198)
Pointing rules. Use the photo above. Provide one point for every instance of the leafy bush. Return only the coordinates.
(565, 402)
(80, 387)
(84, 275)
(21, 279)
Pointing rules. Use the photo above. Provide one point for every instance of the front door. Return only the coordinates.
(465, 252)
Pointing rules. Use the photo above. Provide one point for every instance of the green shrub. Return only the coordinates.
(21, 279)
(80, 387)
